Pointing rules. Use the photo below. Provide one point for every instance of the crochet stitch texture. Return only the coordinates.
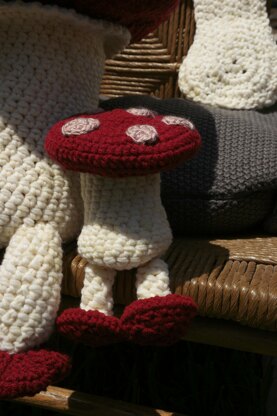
(230, 185)
(40, 204)
(135, 227)
(114, 150)
(119, 154)
(140, 17)
(232, 62)
(51, 65)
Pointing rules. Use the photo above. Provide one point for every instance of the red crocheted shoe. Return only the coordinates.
(89, 327)
(161, 320)
(27, 373)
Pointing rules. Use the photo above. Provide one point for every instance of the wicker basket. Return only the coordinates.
(151, 66)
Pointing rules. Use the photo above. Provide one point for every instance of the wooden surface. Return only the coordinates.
(232, 335)
(74, 403)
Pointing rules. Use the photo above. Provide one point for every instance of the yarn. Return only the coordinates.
(229, 185)
(97, 289)
(35, 92)
(40, 204)
(29, 372)
(52, 62)
(139, 17)
(31, 274)
(232, 62)
(152, 279)
(89, 327)
(125, 224)
(158, 320)
(121, 143)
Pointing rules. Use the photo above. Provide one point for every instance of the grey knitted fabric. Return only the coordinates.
(230, 185)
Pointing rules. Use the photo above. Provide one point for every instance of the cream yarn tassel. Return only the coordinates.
(233, 60)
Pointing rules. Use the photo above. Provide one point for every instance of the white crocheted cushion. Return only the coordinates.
(232, 62)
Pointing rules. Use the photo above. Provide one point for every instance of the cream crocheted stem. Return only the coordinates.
(232, 62)
(125, 223)
(125, 226)
(152, 279)
(51, 67)
(97, 290)
(30, 279)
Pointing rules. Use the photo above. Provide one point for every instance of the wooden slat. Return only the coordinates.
(229, 334)
(147, 66)
(79, 404)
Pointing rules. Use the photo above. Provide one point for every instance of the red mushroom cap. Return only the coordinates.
(139, 16)
(122, 143)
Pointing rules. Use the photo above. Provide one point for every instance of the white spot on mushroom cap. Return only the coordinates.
(141, 111)
(79, 126)
(180, 121)
(143, 133)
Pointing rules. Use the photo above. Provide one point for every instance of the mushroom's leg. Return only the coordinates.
(93, 323)
(97, 291)
(157, 317)
(152, 279)
(30, 282)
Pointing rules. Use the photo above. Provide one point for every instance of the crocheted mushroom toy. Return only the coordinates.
(120, 154)
(52, 57)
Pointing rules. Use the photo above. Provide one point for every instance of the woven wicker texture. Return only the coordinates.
(232, 279)
(151, 66)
